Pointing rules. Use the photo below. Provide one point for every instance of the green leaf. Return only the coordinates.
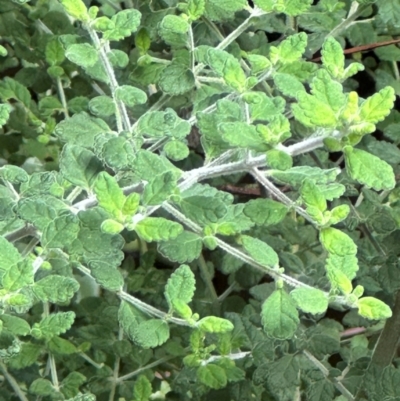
(373, 309)
(333, 57)
(143, 40)
(55, 289)
(279, 315)
(173, 29)
(42, 387)
(337, 242)
(111, 226)
(312, 112)
(327, 90)
(347, 264)
(15, 325)
(195, 9)
(288, 85)
(310, 300)
(260, 251)
(176, 150)
(5, 110)
(338, 214)
(106, 275)
(368, 170)
(314, 199)
(79, 166)
(212, 376)
(12, 89)
(18, 276)
(14, 174)
(28, 355)
(176, 79)
(213, 324)
(71, 383)
(163, 123)
(203, 209)
(61, 346)
(338, 279)
(53, 325)
(131, 204)
(289, 7)
(159, 189)
(265, 212)
(76, 9)
(186, 247)
(81, 129)
(377, 106)
(142, 389)
(117, 152)
(228, 68)
(147, 165)
(181, 285)
(54, 52)
(268, 108)
(125, 23)
(152, 333)
(60, 232)
(290, 49)
(296, 175)
(243, 135)
(157, 229)
(130, 95)
(102, 106)
(220, 10)
(109, 195)
(82, 54)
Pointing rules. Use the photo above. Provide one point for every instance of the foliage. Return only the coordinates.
(127, 269)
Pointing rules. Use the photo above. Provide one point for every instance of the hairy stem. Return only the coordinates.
(13, 383)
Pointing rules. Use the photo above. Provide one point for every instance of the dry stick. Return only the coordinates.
(363, 48)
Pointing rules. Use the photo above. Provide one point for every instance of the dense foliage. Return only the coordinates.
(136, 262)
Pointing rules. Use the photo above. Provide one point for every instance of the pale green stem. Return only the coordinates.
(91, 361)
(214, 358)
(355, 12)
(116, 369)
(396, 70)
(13, 383)
(30, 246)
(61, 94)
(206, 277)
(121, 112)
(210, 79)
(324, 370)
(271, 188)
(227, 292)
(191, 47)
(144, 368)
(74, 194)
(140, 304)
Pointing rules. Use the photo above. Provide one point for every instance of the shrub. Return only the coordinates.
(135, 261)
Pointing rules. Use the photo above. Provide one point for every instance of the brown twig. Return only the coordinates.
(363, 48)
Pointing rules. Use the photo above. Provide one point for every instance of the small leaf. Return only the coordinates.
(377, 106)
(106, 275)
(186, 247)
(212, 324)
(79, 166)
(368, 169)
(152, 333)
(159, 189)
(109, 195)
(373, 309)
(53, 325)
(18, 276)
(265, 212)
(111, 226)
(260, 251)
(176, 79)
(41, 387)
(310, 300)
(61, 232)
(157, 229)
(15, 325)
(142, 389)
(125, 23)
(55, 289)
(76, 9)
(181, 285)
(196, 9)
(82, 54)
(176, 150)
(173, 29)
(130, 95)
(102, 106)
(212, 376)
(337, 242)
(333, 57)
(279, 315)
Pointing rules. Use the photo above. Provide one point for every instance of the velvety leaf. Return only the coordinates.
(83, 54)
(55, 289)
(368, 170)
(142, 389)
(181, 285)
(212, 376)
(186, 247)
(310, 300)
(212, 324)
(53, 325)
(337, 242)
(373, 309)
(125, 23)
(159, 189)
(157, 229)
(152, 333)
(60, 232)
(279, 315)
(260, 251)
